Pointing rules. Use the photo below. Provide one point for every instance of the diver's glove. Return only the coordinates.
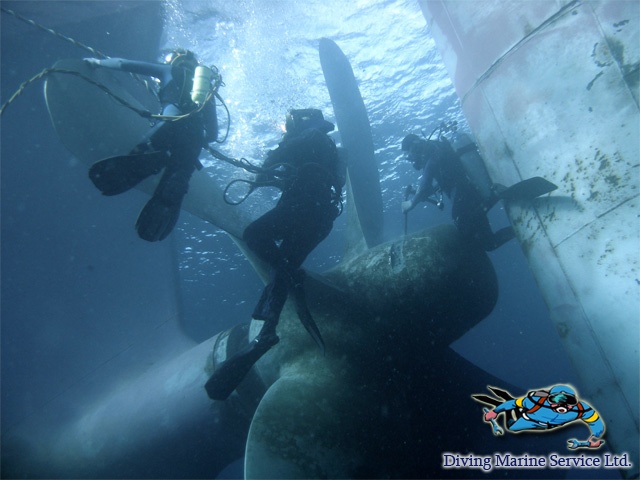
(93, 62)
(409, 192)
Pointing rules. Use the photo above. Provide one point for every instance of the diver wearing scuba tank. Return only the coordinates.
(472, 196)
(441, 169)
(172, 145)
(286, 234)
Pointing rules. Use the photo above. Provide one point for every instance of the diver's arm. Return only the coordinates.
(265, 178)
(274, 158)
(505, 406)
(426, 188)
(157, 70)
(596, 427)
(593, 421)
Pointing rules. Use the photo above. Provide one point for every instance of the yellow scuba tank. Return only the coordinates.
(201, 84)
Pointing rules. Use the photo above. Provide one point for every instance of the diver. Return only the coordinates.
(545, 410)
(173, 144)
(307, 169)
(443, 172)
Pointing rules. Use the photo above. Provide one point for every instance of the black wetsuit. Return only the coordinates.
(469, 211)
(303, 217)
(172, 145)
(311, 184)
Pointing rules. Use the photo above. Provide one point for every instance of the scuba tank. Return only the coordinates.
(201, 84)
(202, 90)
(473, 164)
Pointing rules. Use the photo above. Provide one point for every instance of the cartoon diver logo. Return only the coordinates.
(542, 410)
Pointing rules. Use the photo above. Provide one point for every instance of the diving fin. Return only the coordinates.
(305, 315)
(231, 372)
(116, 175)
(503, 394)
(157, 219)
(160, 214)
(494, 402)
(525, 190)
(275, 294)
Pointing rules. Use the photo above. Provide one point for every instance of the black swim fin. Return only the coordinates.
(160, 214)
(231, 372)
(525, 190)
(305, 317)
(157, 219)
(274, 296)
(501, 396)
(116, 175)
(486, 399)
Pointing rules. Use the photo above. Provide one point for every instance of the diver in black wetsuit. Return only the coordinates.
(172, 144)
(442, 170)
(311, 177)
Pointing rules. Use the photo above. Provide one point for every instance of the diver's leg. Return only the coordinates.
(310, 230)
(465, 214)
(471, 220)
(309, 225)
(522, 424)
(261, 235)
(476, 229)
(232, 371)
(116, 175)
(501, 237)
(273, 298)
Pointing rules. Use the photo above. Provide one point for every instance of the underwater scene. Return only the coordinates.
(283, 239)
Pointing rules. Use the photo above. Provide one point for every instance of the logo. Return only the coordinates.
(542, 410)
(536, 412)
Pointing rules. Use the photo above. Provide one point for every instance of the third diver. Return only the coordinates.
(442, 170)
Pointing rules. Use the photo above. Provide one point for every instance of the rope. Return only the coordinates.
(272, 172)
(93, 51)
(48, 71)
(214, 91)
(226, 134)
(104, 88)
(241, 163)
(252, 187)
